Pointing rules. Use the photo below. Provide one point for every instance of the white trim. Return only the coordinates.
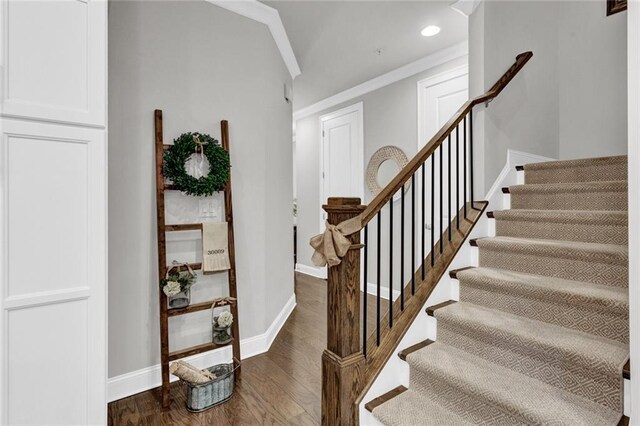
(269, 16)
(633, 87)
(424, 84)
(514, 158)
(150, 377)
(372, 288)
(465, 7)
(438, 58)
(313, 271)
(359, 141)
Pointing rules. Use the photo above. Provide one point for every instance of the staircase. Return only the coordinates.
(541, 332)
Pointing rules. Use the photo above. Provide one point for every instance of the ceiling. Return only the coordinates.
(336, 42)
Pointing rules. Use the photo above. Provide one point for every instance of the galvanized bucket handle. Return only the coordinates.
(236, 365)
(221, 301)
(175, 264)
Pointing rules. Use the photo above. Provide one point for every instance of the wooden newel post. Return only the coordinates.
(343, 361)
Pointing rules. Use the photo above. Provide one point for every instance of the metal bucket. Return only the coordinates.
(180, 300)
(202, 396)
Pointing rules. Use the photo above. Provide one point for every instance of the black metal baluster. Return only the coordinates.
(378, 283)
(449, 187)
(391, 262)
(433, 208)
(457, 178)
(422, 258)
(413, 234)
(471, 158)
(464, 166)
(402, 248)
(440, 217)
(366, 294)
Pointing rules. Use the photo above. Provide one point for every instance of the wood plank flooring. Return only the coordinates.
(279, 387)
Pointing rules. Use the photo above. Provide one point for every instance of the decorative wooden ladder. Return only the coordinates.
(165, 313)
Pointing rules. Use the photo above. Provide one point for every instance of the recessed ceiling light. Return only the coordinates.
(430, 31)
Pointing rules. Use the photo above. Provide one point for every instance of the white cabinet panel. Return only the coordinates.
(53, 212)
(53, 254)
(61, 332)
(54, 60)
(47, 198)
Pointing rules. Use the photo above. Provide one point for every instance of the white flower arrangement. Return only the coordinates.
(172, 288)
(225, 319)
(177, 282)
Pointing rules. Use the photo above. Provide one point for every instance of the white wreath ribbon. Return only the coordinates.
(200, 146)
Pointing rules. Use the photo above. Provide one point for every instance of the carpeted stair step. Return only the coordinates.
(581, 170)
(600, 310)
(486, 393)
(606, 227)
(606, 195)
(582, 364)
(605, 264)
(411, 408)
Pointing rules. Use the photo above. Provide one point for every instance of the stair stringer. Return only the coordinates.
(396, 371)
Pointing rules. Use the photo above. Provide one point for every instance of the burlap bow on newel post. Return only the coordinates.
(332, 245)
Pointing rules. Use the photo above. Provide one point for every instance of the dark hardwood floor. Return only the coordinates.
(279, 387)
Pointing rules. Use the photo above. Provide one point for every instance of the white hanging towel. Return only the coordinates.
(215, 247)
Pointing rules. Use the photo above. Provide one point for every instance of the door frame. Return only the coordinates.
(434, 80)
(359, 167)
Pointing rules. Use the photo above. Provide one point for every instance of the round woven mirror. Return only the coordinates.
(383, 166)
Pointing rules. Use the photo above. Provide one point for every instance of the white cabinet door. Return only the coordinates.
(55, 54)
(53, 204)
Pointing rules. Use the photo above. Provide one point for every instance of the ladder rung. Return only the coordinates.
(166, 147)
(194, 308)
(194, 266)
(194, 350)
(183, 227)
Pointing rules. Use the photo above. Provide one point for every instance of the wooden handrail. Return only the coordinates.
(405, 174)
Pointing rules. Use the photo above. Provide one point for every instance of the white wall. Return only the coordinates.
(199, 64)
(525, 116)
(390, 118)
(592, 72)
(570, 99)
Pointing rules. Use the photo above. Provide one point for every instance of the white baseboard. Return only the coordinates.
(508, 175)
(314, 271)
(519, 158)
(150, 377)
(372, 289)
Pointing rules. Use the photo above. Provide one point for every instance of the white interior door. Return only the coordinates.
(439, 98)
(53, 200)
(342, 155)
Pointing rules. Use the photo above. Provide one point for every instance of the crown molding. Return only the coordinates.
(440, 57)
(466, 7)
(269, 16)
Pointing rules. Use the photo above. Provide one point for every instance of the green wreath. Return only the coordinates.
(182, 149)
